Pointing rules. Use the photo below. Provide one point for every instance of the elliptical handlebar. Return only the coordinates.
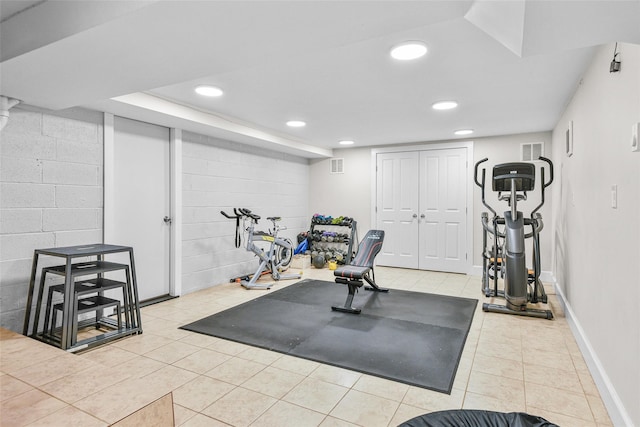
(491, 228)
(550, 163)
(537, 225)
(481, 184)
(475, 172)
(544, 184)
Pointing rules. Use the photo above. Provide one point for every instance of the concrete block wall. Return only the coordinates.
(220, 175)
(51, 187)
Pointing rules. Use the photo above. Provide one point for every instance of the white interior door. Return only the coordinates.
(397, 208)
(141, 200)
(443, 213)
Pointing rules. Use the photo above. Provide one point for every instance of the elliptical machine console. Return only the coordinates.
(506, 257)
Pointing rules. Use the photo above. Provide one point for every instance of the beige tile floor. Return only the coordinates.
(509, 364)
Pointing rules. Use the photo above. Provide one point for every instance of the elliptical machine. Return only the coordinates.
(506, 258)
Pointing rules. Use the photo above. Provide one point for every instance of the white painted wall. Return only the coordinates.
(350, 193)
(50, 194)
(347, 194)
(220, 175)
(596, 247)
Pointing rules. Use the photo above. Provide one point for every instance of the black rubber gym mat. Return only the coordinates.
(411, 337)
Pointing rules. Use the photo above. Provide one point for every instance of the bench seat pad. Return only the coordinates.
(351, 272)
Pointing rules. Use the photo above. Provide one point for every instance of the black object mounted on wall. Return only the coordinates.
(615, 65)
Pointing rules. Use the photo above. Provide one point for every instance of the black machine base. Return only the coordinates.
(530, 312)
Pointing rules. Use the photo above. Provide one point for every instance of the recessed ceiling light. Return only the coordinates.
(346, 142)
(409, 50)
(445, 105)
(464, 132)
(296, 123)
(208, 90)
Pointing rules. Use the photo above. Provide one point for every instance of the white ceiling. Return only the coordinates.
(511, 65)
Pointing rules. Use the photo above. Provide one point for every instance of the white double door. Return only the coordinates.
(421, 204)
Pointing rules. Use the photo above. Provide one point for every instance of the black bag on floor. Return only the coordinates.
(477, 418)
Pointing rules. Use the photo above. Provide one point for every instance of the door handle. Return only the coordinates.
(415, 215)
(422, 216)
(167, 219)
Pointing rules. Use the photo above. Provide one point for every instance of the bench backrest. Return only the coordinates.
(368, 248)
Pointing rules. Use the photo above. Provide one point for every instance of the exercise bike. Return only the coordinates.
(506, 258)
(275, 259)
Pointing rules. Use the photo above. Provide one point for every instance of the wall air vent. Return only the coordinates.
(337, 165)
(531, 151)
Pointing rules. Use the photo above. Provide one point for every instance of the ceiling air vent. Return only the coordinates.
(531, 151)
(337, 165)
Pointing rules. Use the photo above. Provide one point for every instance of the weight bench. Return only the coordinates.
(361, 268)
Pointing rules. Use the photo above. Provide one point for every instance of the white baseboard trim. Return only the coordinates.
(545, 276)
(617, 412)
(475, 270)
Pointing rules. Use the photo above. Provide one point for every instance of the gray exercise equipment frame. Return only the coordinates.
(276, 258)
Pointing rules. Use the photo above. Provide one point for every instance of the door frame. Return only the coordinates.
(175, 176)
(425, 147)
